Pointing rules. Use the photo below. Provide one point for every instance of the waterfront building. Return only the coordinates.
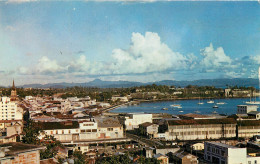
(133, 120)
(245, 109)
(248, 128)
(200, 129)
(121, 99)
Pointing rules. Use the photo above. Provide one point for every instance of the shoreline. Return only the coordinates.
(161, 100)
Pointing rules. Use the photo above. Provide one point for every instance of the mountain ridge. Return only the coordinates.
(219, 83)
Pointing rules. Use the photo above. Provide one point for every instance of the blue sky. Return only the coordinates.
(63, 41)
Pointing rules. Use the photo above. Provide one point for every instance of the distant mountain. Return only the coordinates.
(220, 83)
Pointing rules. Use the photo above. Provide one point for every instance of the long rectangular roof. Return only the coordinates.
(202, 121)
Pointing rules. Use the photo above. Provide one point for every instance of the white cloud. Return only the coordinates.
(45, 65)
(146, 54)
(255, 59)
(214, 59)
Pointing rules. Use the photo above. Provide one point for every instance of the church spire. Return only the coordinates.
(13, 88)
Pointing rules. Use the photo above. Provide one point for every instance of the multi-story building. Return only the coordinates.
(133, 120)
(225, 154)
(244, 109)
(200, 129)
(9, 110)
(87, 129)
(248, 128)
(222, 153)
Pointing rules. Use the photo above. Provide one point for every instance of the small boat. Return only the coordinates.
(200, 103)
(215, 106)
(181, 111)
(210, 102)
(220, 103)
(179, 107)
(164, 108)
(253, 102)
(175, 105)
(197, 111)
(214, 112)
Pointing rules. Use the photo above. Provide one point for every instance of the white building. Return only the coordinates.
(122, 99)
(223, 153)
(133, 120)
(244, 109)
(9, 110)
(88, 129)
(200, 129)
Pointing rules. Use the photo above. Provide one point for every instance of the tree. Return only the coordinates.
(79, 158)
(31, 133)
(52, 145)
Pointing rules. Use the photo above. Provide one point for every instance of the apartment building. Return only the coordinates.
(200, 129)
(9, 110)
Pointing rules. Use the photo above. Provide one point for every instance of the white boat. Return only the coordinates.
(214, 112)
(253, 102)
(210, 102)
(200, 103)
(175, 105)
(181, 111)
(196, 111)
(215, 106)
(220, 103)
(164, 108)
(179, 107)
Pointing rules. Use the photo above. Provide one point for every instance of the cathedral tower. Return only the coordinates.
(13, 93)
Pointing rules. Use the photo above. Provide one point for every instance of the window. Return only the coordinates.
(249, 162)
(255, 161)
(110, 129)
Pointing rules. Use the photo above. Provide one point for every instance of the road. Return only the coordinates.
(144, 141)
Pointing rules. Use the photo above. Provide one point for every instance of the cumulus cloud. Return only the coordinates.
(146, 54)
(45, 65)
(214, 59)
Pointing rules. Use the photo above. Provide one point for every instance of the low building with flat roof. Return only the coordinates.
(20, 153)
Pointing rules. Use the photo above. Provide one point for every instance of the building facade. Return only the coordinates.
(200, 129)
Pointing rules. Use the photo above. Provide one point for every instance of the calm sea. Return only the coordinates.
(187, 106)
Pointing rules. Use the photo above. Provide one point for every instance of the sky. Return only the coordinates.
(65, 41)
